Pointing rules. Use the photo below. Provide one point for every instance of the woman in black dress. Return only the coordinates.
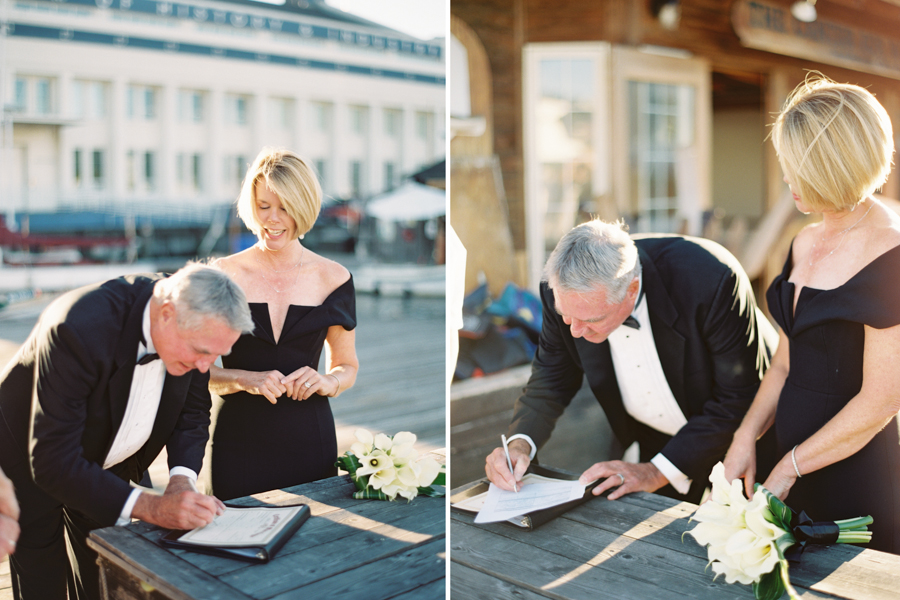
(275, 427)
(833, 390)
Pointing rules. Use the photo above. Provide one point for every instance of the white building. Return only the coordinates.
(157, 106)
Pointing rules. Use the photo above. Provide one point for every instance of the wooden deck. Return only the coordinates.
(635, 547)
(401, 348)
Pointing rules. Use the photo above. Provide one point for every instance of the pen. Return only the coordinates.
(508, 461)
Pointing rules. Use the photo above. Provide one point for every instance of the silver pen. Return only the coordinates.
(508, 461)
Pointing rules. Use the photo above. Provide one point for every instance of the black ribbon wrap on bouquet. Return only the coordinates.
(806, 531)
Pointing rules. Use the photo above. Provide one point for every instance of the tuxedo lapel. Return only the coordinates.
(119, 385)
(670, 344)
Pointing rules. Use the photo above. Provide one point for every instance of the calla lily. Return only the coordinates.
(385, 476)
(365, 443)
(403, 444)
(429, 470)
(374, 462)
(383, 442)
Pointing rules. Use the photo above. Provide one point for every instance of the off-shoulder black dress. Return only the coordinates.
(259, 446)
(827, 338)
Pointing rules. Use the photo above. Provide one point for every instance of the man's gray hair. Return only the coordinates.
(592, 256)
(200, 291)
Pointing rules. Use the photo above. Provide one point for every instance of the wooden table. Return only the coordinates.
(347, 549)
(632, 548)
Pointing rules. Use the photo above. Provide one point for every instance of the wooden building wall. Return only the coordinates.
(705, 29)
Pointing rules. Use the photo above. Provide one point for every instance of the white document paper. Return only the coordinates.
(242, 527)
(500, 505)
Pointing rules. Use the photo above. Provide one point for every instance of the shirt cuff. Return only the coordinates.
(125, 515)
(678, 479)
(189, 473)
(527, 438)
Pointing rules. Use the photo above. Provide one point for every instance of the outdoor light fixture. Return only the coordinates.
(668, 12)
(804, 10)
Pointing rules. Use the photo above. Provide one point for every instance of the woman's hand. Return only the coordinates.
(740, 462)
(782, 478)
(264, 383)
(306, 381)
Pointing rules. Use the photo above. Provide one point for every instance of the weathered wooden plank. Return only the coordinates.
(160, 569)
(419, 524)
(430, 591)
(545, 572)
(631, 557)
(469, 584)
(419, 565)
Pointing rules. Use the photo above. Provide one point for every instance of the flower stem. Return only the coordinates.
(785, 578)
(856, 523)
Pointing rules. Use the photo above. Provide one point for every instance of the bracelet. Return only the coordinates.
(339, 384)
(794, 460)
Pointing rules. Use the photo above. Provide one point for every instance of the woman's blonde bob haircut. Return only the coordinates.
(291, 179)
(834, 142)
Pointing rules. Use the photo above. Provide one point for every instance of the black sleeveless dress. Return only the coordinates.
(826, 352)
(259, 446)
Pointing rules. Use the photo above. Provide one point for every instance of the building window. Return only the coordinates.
(660, 122)
(322, 172)
(390, 175)
(42, 97)
(78, 93)
(190, 106)
(279, 113)
(235, 168)
(321, 116)
(149, 104)
(98, 99)
(21, 94)
(236, 109)
(129, 102)
(150, 170)
(77, 168)
(197, 172)
(98, 168)
(392, 122)
(179, 168)
(141, 102)
(423, 125)
(129, 170)
(356, 178)
(358, 119)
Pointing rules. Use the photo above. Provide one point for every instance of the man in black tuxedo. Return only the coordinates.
(667, 331)
(110, 374)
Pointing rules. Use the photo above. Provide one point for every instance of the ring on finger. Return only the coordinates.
(308, 385)
(622, 477)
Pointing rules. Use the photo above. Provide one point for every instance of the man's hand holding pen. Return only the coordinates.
(498, 471)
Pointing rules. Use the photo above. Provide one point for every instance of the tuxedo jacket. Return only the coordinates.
(713, 343)
(63, 397)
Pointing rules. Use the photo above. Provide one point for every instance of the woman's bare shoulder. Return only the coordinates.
(332, 274)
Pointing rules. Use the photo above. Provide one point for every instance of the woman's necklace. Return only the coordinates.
(843, 235)
(296, 277)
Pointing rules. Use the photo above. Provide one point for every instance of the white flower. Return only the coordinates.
(374, 462)
(403, 445)
(429, 470)
(742, 542)
(383, 442)
(385, 476)
(364, 445)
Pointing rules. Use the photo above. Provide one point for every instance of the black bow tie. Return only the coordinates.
(631, 322)
(148, 358)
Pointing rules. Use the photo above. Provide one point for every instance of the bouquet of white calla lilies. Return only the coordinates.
(746, 540)
(384, 467)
